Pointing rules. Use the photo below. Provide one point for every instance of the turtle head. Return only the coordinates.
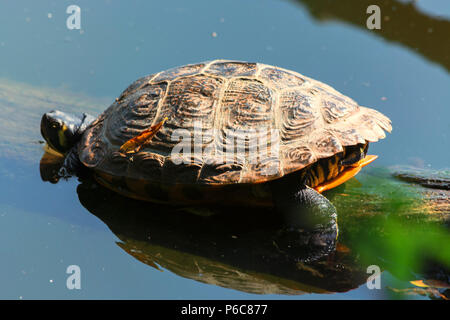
(62, 130)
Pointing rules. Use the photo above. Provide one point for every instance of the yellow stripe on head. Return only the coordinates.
(62, 137)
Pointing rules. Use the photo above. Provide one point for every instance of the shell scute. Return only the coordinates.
(295, 156)
(216, 171)
(348, 137)
(232, 69)
(189, 102)
(94, 154)
(298, 114)
(181, 170)
(324, 144)
(281, 78)
(177, 72)
(333, 110)
(119, 162)
(264, 169)
(134, 113)
(136, 85)
(247, 104)
(147, 165)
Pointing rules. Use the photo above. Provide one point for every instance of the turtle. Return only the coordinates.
(223, 132)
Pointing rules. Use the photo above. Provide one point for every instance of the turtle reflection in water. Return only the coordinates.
(217, 250)
(321, 140)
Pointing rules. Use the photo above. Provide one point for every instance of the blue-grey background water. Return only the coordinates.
(403, 73)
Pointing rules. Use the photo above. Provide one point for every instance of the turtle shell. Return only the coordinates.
(217, 110)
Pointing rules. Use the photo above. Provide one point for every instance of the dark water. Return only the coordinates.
(401, 70)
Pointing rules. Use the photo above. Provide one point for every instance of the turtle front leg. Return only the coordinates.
(305, 208)
(72, 164)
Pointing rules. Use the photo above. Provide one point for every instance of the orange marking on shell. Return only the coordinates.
(346, 175)
(135, 144)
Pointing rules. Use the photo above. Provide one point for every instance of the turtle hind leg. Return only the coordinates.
(310, 222)
(305, 208)
(314, 210)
